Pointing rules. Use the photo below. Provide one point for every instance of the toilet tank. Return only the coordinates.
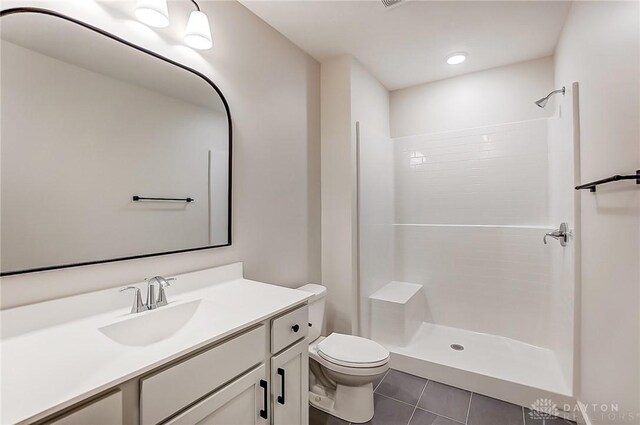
(316, 309)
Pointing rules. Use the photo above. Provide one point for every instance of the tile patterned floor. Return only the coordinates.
(403, 399)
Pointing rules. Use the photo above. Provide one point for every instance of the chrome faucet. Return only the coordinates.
(151, 298)
(151, 302)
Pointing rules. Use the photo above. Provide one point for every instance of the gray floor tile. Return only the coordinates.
(440, 404)
(421, 417)
(533, 420)
(489, 411)
(390, 412)
(377, 381)
(445, 400)
(402, 386)
(318, 417)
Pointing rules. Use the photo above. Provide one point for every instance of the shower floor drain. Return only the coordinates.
(457, 347)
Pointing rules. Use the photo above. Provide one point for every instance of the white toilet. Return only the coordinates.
(343, 367)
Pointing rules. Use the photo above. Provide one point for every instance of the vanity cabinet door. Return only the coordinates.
(290, 385)
(244, 401)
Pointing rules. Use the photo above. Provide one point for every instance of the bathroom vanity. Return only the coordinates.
(225, 350)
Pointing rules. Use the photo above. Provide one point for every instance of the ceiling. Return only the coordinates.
(408, 44)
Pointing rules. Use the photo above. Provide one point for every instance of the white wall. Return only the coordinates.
(495, 96)
(338, 195)
(599, 48)
(84, 161)
(349, 95)
(273, 91)
(370, 108)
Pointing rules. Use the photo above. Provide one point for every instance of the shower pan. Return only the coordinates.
(456, 276)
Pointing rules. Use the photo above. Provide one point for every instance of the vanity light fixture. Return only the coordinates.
(153, 12)
(198, 33)
(456, 58)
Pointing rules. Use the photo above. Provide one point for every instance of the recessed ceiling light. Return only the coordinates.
(456, 58)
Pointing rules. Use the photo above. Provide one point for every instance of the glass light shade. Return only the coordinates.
(198, 33)
(153, 12)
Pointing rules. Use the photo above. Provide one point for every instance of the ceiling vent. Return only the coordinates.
(388, 4)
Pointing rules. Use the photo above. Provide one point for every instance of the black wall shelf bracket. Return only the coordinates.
(592, 186)
(142, 198)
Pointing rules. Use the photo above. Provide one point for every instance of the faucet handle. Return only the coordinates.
(160, 280)
(162, 295)
(166, 282)
(138, 305)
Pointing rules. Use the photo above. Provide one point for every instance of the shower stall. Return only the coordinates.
(454, 277)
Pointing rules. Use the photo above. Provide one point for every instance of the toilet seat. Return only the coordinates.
(352, 351)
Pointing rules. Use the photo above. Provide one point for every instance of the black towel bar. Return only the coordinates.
(592, 186)
(141, 198)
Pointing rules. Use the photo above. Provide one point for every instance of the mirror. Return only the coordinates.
(91, 126)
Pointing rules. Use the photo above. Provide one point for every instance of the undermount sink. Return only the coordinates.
(154, 325)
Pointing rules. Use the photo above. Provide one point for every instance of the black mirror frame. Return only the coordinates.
(13, 11)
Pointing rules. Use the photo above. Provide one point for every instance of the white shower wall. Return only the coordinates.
(479, 175)
(493, 175)
(564, 206)
(471, 209)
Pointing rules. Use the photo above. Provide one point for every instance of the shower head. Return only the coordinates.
(543, 102)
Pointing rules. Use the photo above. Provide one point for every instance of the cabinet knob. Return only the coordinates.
(295, 328)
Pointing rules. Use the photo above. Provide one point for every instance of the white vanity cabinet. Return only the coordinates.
(290, 385)
(258, 377)
(211, 356)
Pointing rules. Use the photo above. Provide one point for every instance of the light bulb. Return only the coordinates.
(198, 34)
(153, 12)
(456, 58)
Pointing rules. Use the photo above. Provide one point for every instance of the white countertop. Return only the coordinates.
(50, 368)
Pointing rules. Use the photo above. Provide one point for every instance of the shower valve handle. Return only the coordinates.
(562, 234)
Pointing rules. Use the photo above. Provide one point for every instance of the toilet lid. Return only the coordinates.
(352, 351)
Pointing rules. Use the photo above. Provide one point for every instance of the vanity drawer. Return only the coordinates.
(172, 389)
(104, 411)
(289, 328)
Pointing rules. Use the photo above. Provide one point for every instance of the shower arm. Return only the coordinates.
(543, 102)
(562, 90)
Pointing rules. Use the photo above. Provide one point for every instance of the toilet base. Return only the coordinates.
(350, 403)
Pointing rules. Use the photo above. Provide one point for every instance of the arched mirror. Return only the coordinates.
(109, 151)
